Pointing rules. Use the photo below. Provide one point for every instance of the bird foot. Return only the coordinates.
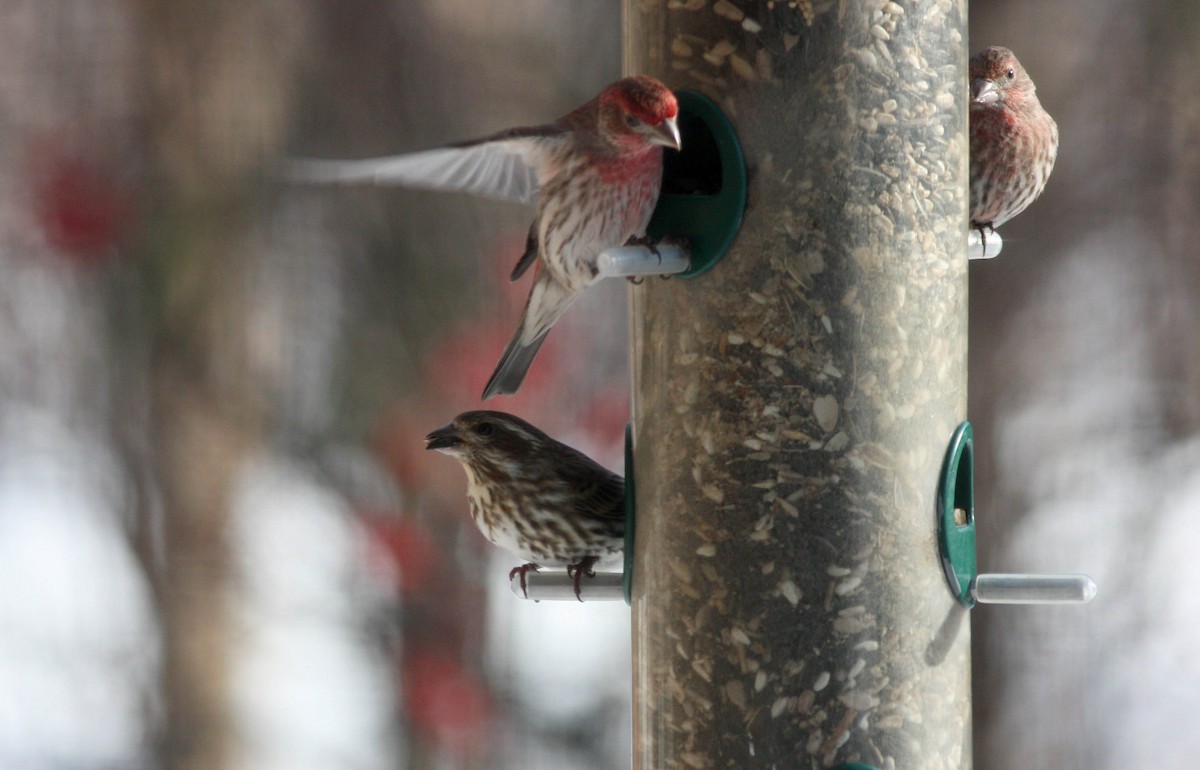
(647, 241)
(652, 244)
(983, 229)
(579, 569)
(680, 240)
(531, 567)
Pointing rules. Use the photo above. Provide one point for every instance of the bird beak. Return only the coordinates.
(983, 91)
(443, 438)
(666, 134)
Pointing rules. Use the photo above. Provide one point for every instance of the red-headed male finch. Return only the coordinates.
(540, 499)
(1013, 140)
(594, 174)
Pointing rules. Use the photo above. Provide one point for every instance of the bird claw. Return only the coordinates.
(578, 570)
(983, 229)
(530, 567)
(682, 241)
(653, 244)
(647, 242)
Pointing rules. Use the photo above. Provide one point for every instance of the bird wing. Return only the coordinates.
(601, 492)
(504, 166)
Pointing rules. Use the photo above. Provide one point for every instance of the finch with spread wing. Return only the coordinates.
(594, 174)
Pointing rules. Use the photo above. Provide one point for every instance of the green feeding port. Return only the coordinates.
(956, 514)
(704, 185)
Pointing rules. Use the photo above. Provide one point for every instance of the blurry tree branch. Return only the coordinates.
(217, 79)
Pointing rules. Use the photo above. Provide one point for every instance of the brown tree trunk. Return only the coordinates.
(217, 76)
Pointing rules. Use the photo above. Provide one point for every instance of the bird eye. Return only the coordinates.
(1011, 73)
(631, 121)
(485, 429)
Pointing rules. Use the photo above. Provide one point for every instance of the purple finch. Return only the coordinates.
(1013, 140)
(594, 174)
(538, 498)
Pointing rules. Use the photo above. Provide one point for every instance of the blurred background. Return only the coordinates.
(222, 544)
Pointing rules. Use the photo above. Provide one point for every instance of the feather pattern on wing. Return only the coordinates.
(600, 492)
(504, 166)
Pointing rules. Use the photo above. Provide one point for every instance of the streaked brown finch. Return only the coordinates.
(533, 496)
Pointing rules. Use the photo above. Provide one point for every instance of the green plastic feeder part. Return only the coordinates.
(704, 185)
(956, 514)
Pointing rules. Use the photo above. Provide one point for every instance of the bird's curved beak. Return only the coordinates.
(443, 438)
(983, 91)
(666, 134)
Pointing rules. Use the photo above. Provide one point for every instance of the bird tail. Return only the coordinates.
(513, 366)
(548, 300)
